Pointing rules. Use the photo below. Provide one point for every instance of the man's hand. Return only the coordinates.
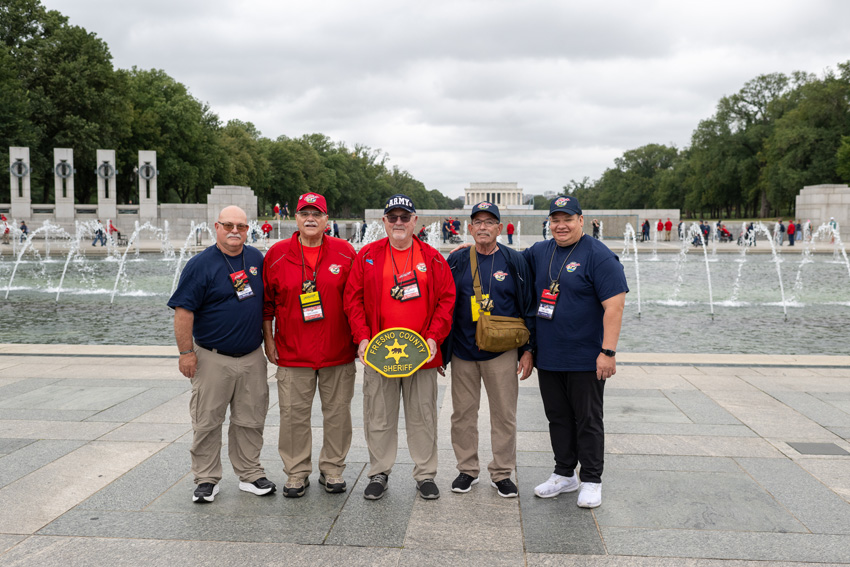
(432, 346)
(606, 366)
(271, 352)
(361, 350)
(525, 366)
(188, 364)
(460, 247)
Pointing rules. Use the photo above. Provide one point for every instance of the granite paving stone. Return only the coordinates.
(32, 457)
(378, 523)
(756, 546)
(820, 509)
(134, 407)
(147, 432)
(10, 445)
(66, 482)
(704, 501)
(555, 525)
(41, 429)
(687, 445)
(690, 429)
(70, 398)
(423, 557)
(671, 463)
(769, 417)
(196, 526)
(52, 551)
(832, 472)
(7, 542)
(823, 413)
(700, 408)
(144, 483)
(175, 410)
(36, 414)
(642, 410)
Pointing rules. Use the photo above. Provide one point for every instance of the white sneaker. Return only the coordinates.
(590, 495)
(556, 485)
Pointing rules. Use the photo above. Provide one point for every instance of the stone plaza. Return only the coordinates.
(711, 460)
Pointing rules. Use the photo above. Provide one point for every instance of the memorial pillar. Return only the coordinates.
(147, 187)
(107, 199)
(19, 183)
(63, 183)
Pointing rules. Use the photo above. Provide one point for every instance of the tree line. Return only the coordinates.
(763, 144)
(59, 89)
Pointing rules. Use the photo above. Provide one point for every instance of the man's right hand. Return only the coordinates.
(361, 350)
(271, 352)
(188, 364)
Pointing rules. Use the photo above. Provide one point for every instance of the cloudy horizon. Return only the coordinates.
(537, 93)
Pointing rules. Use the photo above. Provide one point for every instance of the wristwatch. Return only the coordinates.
(608, 352)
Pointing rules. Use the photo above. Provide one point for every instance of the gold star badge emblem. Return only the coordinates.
(396, 351)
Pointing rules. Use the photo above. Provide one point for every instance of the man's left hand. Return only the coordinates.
(606, 366)
(525, 366)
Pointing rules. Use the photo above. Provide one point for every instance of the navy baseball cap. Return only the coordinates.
(563, 204)
(486, 207)
(399, 201)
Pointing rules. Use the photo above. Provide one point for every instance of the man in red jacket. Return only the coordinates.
(307, 336)
(668, 228)
(426, 306)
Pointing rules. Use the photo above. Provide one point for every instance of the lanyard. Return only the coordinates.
(242, 254)
(304, 263)
(554, 287)
(395, 267)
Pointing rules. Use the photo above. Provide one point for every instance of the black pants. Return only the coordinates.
(573, 404)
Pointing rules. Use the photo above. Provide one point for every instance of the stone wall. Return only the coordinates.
(819, 202)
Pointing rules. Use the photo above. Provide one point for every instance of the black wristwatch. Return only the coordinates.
(608, 352)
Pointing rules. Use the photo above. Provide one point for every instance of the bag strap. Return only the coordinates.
(473, 265)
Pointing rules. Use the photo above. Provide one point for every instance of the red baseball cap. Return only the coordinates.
(312, 200)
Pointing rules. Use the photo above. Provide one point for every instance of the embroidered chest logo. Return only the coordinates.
(571, 267)
(421, 267)
(500, 276)
(253, 270)
(334, 268)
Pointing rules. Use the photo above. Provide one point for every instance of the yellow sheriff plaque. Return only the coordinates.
(397, 352)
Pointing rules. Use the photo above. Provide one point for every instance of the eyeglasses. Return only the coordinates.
(485, 222)
(404, 218)
(228, 226)
(308, 214)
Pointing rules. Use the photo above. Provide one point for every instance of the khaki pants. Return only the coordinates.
(296, 388)
(240, 383)
(380, 420)
(502, 384)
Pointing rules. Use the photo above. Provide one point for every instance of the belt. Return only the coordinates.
(231, 354)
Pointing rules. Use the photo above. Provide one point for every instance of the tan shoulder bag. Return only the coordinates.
(495, 333)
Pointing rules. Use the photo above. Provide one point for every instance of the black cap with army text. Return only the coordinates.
(399, 201)
(564, 204)
(486, 207)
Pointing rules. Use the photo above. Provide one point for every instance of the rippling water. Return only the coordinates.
(748, 317)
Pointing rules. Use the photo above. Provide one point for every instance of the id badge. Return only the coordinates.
(476, 307)
(241, 285)
(408, 286)
(311, 307)
(546, 307)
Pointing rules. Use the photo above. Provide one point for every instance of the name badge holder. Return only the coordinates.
(546, 306)
(241, 285)
(311, 307)
(406, 287)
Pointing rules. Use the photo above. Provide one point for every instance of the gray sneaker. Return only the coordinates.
(377, 487)
(428, 489)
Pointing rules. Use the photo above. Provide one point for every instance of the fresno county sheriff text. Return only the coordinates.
(413, 340)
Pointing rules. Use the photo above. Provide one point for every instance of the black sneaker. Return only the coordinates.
(377, 487)
(295, 488)
(332, 484)
(428, 489)
(260, 487)
(205, 492)
(463, 483)
(506, 488)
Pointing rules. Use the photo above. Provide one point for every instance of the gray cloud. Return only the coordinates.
(537, 92)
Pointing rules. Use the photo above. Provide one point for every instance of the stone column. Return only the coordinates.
(147, 187)
(19, 182)
(107, 200)
(63, 183)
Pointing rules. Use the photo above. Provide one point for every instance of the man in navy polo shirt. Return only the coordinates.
(506, 290)
(581, 291)
(218, 324)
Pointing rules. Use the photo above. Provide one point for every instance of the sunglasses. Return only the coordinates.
(228, 226)
(404, 218)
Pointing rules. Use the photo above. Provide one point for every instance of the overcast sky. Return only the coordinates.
(535, 91)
